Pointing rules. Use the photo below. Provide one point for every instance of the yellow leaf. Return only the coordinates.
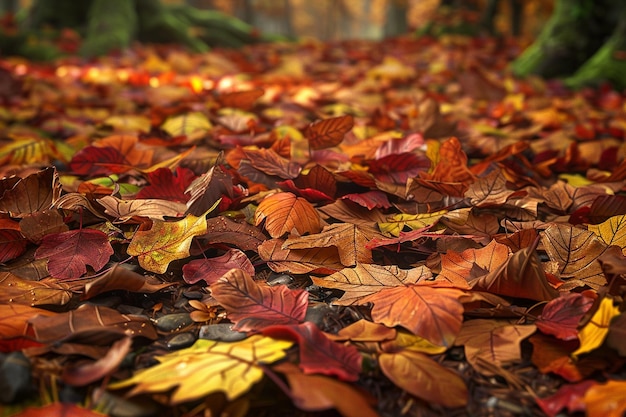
(408, 341)
(593, 334)
(166, 242)
(396, 223)
(129, 123)
(27, 150)
(208, 366)
(612, 231)
(193, 125)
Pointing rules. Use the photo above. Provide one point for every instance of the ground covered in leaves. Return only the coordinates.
(355, 228)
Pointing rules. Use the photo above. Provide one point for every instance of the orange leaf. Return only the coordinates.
(606, 400)
(421, 376)
(284, 213)
(458, 268)
(328, 132)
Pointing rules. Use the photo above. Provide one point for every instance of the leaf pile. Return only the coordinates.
(376, 227)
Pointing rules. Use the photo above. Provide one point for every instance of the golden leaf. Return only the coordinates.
(166, 242)
(612, 231)
(208, 366)
(595, 331)
(397, 222)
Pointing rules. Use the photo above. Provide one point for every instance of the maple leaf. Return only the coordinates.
(206, 367)
(165, 242)
(349, 239)
(284, 213)
(253, 306)
(70, 252)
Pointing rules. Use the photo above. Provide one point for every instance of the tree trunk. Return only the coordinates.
(396, 18)
(576, 30)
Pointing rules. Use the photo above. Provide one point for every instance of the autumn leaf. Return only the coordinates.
(561, 316)
(206, 367)
(194, 126)
(364, 331)
(492, 341)
(167, 185)
(489, 190)
(284, 213)
(316, 393)
(612, 231)
(166, 242)
(121, 278)
(349, 239)
(606, 400)
(58, 410)
(253, 306)
(592, 335)
(471, 264)
(319, 354)
(421, 376)
(575, 252)
(33, 293)
(408, 341)
(124, 210)
(436, 314)
(70, 252)
(569, 396)
(25, 196)
(396, 223)
(14, 319)
(329, 132)
(367, 279)
(212, 269)
(299, 261)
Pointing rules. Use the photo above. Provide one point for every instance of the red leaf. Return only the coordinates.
(328, 132)
(165, 185)
(318, 178)
(398, 168)
(12, 244)
(568, 396)
(70, 252)
(212, 269)
(253, 306)
(560, 317)
(310, 194)
(369, 199)
(319, 354)
(397, 146)
(94, 161)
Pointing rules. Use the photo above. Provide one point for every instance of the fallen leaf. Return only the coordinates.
(212, 269)
(33, 293)
(561, 316)
(299, 261)
(253, 306)
(569, 396)
(124, 210)
(121, 278)
(37, 192)
(284, 213)
(329, 132)
(85, 374)
(592, 335)
(206, 367)
(606, 400)
(58, 410)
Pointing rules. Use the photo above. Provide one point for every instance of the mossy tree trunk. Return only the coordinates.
(582, 39)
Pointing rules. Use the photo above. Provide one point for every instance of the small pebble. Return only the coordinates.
(316, 313)
(279, 279)
(173, 322)
(221, 331)
(15, 379)
(193, 295)
(181, 340)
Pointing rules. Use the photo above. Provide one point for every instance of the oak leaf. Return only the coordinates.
(70, 252)
(253, 306)
(284, 213)
(165, 242)
(208, 366)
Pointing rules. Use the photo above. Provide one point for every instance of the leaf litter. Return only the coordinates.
(370, 225)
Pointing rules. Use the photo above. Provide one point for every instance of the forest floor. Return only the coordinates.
(358, 228)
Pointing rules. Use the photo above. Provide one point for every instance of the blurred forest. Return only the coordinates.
(364, 19)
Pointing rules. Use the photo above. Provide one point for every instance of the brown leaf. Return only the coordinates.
(85, 374)
(36, 226)
(349, 239)
(212, 269)
(26, 196)
(459, 268)
(489, 190)
(33, 293)
(14, 319)
(124, 210)
(575, 252)
(299, 261)
(221, 229)
(317, 393)
(494, 341)
(328, 132)
(207, 189)
(121, 278)
(367, 279)
(268, 161)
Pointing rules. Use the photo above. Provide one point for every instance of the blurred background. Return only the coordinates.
(368, 19)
